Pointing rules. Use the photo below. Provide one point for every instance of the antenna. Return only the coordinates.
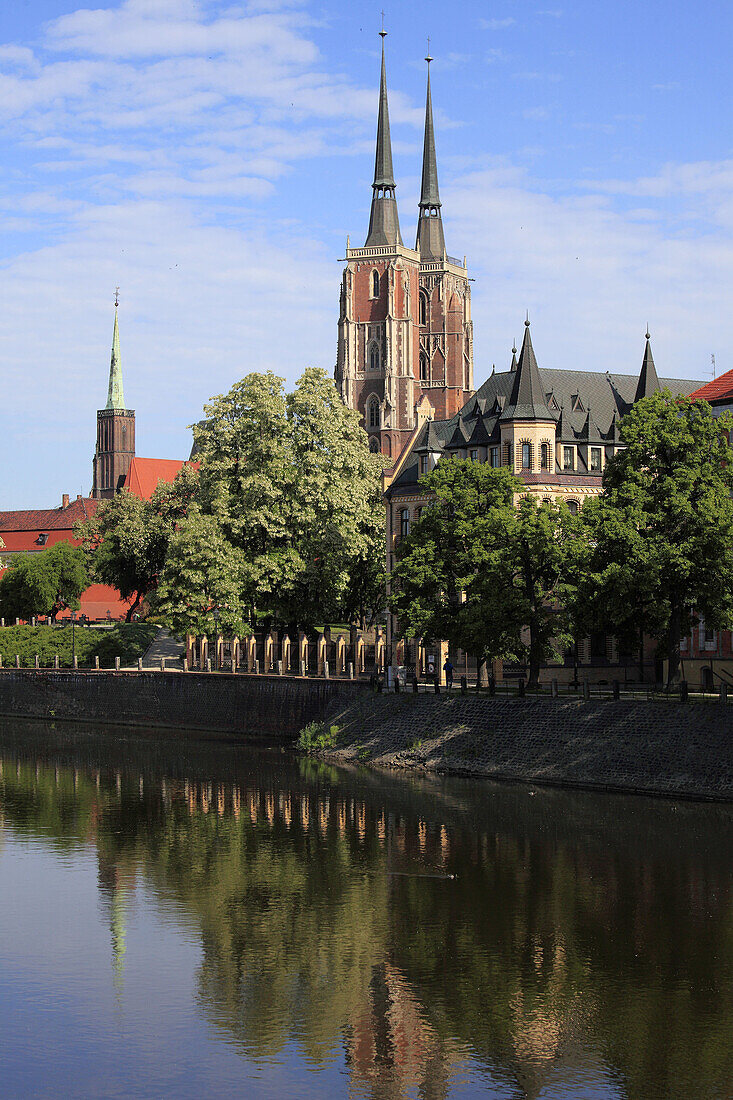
(712, 360)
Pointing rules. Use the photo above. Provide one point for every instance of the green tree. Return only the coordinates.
(127, 538)
(479, 571)
(291, 484)
(662, 533)
(44, 583)
(202, 580)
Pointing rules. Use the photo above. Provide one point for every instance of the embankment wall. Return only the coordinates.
(238, 705)
(658, 747)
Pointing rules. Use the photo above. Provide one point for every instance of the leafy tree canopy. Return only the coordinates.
(662, 532)
(127, 538)
(43, 583)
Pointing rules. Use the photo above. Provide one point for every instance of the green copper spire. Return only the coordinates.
(115, 395)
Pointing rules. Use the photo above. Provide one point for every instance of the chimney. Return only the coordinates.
(65, 500)
(78, 496)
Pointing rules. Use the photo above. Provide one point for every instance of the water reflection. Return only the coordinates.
(433, 936)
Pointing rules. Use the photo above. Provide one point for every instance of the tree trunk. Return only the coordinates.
(641, 654)
(132, 609)
(482, 672)
(535, 657)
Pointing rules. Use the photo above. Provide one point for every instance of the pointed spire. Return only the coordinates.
(430, 239)
(384, 225)
(513, 367)
(115, 395)
(527, 400)
(648, 382)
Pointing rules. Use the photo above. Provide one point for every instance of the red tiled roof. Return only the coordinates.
(49, 519)
(145, 474)
(716, 390)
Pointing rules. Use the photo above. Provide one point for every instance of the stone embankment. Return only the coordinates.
(238, 705)
(656, 747)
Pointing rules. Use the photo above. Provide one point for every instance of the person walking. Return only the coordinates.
(448, 670)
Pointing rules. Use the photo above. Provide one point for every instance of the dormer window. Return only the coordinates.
(575, 403)
(568, 458)
(42, 539)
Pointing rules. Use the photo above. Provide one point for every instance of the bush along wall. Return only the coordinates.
(126, 641)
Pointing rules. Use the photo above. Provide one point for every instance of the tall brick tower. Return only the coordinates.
(405, 317)
(115, 430)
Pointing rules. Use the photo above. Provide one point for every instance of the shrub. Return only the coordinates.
(316, 738)
(127, 641)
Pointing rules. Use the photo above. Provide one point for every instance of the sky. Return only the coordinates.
(211, 158)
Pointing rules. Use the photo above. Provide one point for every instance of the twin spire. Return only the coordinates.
(384, 225)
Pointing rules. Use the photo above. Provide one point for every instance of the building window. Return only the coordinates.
(424, 464)
(424, 372)
(568, 458)
(545, 456)
(374, 445)
(474, 455)
(573, 507)
(494, 456)
(423, 308)
(374, 357)
(404, 522)
(595, 460)
(418, 514)
(373, 413)
(526, 456)
(375, 284)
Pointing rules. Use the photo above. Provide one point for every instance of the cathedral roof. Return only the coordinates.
(145, 474)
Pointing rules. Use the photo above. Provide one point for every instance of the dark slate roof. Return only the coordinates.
(383, 171)
(601, 400)
(528, 399)
(648, 381)
(429, 195)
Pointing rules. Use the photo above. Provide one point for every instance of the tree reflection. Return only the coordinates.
(578, 934)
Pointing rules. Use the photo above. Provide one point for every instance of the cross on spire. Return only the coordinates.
(117, 296)
(383, 33)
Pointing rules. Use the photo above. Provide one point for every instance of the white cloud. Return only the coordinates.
(496, 24)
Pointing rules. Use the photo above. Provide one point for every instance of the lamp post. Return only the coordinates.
(216, 638)
(72, 616)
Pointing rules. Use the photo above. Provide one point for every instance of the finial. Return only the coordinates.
(526, 323)
(117, 296)
(514, 347)
(428, 57)
(383, 33)
(648, 337)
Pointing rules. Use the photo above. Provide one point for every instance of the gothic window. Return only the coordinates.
(423, 308)
(545, 456)
(374, 356)
(424, 369)
(374, 445)
(375, 284)
(526, 456)
(373, 413)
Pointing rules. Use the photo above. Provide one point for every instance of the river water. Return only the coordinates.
(188, 919)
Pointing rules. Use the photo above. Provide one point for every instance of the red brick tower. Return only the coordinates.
(115, 448)
(405, 317)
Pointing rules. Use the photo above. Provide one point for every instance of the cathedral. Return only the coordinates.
(405, 338)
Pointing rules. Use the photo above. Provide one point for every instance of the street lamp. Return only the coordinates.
(72, 616)
(216, 638)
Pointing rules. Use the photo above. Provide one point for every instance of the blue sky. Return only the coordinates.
(210, 158)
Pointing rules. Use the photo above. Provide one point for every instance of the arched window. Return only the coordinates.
(374, 357)
(573, 507)
(423, 308)
(424, 370)
(526, 456)
(373, 413)
(375, 284)
(545, 456)
(374, 445)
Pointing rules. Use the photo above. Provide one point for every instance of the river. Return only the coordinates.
(192, 918)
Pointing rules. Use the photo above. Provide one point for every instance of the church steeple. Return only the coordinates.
(430, 240)
(115, 394)
(648, 382)
(384, 223)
